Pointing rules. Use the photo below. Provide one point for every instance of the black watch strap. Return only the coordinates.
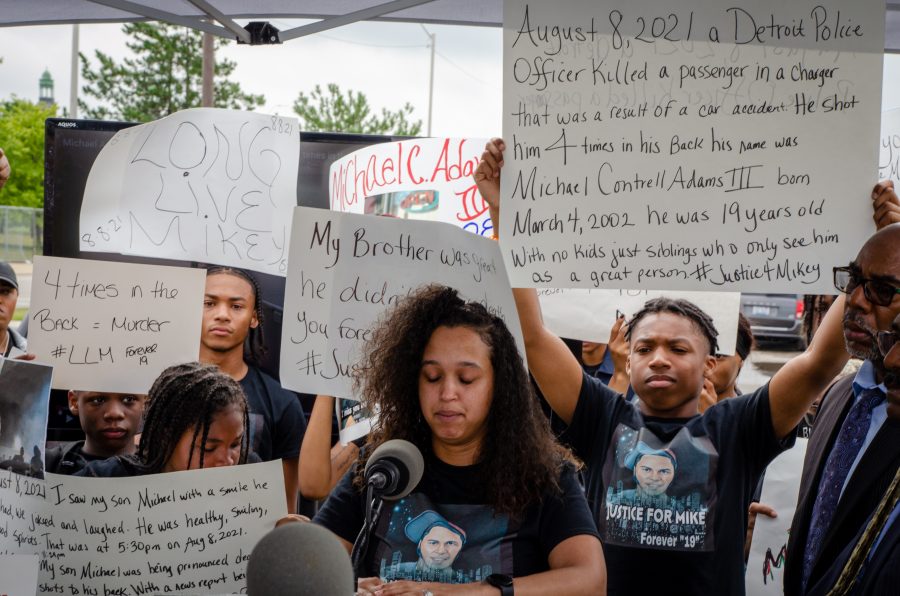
(504, 582)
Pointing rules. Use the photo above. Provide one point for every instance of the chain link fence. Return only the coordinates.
(21, 233)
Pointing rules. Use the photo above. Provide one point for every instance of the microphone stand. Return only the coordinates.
(361, 545)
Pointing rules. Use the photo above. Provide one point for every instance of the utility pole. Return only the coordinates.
(431, 44)
(73, 79)
(209, 67)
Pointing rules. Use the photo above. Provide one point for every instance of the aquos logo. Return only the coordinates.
(420, 201)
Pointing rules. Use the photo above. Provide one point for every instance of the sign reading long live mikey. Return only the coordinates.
(347, 270)
(705, 146)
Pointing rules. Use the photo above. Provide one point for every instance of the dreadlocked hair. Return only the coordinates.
(184, 398)
(745, 341)
(255, 345)
(519, 459)
(684, 308)
(814, 308)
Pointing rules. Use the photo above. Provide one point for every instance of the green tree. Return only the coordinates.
(22, 139)
(163, 76)
(350, 112)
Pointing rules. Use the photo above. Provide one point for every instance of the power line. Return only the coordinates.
(464, 71)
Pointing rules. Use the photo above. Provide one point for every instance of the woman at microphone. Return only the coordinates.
(499, 509)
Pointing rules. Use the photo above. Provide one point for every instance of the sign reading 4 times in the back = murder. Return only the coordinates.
(345, 271)
(696, 145)
(113, 326)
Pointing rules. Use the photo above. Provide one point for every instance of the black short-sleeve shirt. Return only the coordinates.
(670, 496)
(443, 531)
(277, 423)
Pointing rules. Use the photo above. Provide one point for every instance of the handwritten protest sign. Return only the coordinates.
(24, 409)
(765, 567)
(184, 532)
(346, 270)
(889, 149)
(428, 179)
(209, 185)
(113, 326)
(689, 148)
(18, 574)
(589, 315)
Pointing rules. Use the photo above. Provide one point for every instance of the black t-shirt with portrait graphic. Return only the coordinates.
(470, 541)
(277, 424)
(683, 534)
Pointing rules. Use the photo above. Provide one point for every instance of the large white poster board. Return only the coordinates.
(765, 567)
(589, 315)
(428, 179)
(695, 146)
(346, 270)
(889, 149)
(204, 184)
(184, 532)
(113, 326)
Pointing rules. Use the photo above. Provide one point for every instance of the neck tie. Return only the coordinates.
(846, 447)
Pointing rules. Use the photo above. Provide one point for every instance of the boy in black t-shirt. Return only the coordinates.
(109, 422)
(232, 319)
(691, 541)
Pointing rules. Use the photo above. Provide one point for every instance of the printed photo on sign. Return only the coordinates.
(354, 420)
(455, 544)
(24, 407)
(659, 494)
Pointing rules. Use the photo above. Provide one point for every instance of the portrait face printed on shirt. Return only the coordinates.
(654, 474)
(667, 363)
(109, 420)
(439, 547)
(222, 446)
(456, 386)
(229, 312)
(878, 260)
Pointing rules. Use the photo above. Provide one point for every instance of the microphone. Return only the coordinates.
(300, 559)
(394, 469)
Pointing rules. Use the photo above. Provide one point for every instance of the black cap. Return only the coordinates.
(8, 275)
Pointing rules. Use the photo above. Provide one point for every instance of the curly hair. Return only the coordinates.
(519, 458)
(684, 308)
(255, 344)
(187, 397)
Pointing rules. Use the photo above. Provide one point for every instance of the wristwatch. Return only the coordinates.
(504, 582)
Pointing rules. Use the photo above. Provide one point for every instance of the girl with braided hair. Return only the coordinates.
(196, 417)
(499, 501)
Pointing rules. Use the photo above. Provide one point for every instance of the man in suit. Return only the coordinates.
(871, 563)
(854, 449)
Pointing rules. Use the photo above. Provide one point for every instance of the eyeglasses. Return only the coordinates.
(877, 292)
(886, 341)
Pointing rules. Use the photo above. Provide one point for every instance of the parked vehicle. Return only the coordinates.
(775, 317)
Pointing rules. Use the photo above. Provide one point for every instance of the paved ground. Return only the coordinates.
(764, 362)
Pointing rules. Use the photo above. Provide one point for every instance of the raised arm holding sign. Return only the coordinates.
(659, 476)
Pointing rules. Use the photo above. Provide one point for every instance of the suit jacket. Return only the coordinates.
(880, 576)
(867, 485)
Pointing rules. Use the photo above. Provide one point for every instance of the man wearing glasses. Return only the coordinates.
(854, 449)
(870, 564)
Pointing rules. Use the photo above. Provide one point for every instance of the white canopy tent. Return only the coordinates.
(199, 14)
